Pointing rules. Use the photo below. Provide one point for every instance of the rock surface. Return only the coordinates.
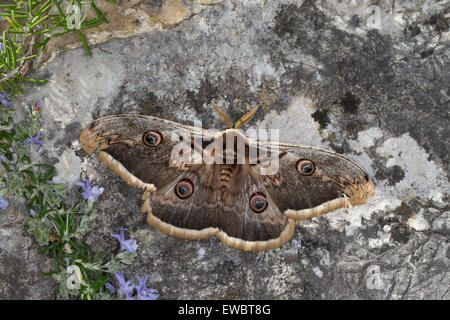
(370, 83)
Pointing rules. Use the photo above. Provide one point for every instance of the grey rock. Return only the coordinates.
(323, 75)
(21, 266)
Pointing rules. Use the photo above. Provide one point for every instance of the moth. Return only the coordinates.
(188, 193)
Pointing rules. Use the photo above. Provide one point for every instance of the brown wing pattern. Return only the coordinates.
(234, 202)
(335, 182)
(224, 207)
(119, 140)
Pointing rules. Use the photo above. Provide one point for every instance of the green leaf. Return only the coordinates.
(48, 248)
(85, 44)
(5, 165)
(6, 135)
(50, 173)
(31, 175)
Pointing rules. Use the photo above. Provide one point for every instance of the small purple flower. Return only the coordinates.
(91, 192)
(110, 287)
(126, 287)
(4, 101)
(35, 140)
(129, 245)
(144, 293)
(3, 202)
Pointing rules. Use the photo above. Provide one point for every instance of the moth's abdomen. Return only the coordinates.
(225, 175)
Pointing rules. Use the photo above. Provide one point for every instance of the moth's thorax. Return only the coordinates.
(233, 132)
(228, 147)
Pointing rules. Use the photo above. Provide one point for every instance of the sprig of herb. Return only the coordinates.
(32, 24)
(81, 273)
(59, 229)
